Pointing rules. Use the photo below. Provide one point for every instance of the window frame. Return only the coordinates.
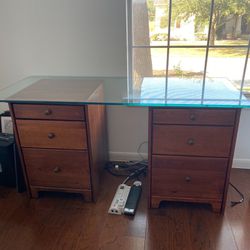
(131, 47)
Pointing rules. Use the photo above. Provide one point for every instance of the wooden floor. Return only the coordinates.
(66, 222)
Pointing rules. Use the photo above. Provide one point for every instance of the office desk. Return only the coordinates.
(61, 131)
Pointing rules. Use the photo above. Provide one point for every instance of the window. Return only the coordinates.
(194, 43)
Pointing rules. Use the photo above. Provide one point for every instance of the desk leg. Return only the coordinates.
(216, 206)
(155, 202)
(34, 193)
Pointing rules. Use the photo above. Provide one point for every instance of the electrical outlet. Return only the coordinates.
(7, 125)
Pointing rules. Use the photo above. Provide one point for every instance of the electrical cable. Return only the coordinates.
(234, 203)
(124, 168)
(139, 148)
(130, 169)
(134, 174)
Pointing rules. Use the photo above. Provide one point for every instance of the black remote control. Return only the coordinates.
(133, 198)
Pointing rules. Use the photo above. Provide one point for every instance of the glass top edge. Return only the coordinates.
(129, 104)
(114, 90)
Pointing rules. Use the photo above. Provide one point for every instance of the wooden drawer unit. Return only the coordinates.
(52, 134)
(62, 148)
(190, 154)
(49, 112)
(57, 168)
(183, 178)
(192, 140)
(194, 116)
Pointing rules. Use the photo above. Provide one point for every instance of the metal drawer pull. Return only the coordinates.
(192, 117)
(187, 178)
(190, 142)
(57, 170)
(51, 135)
(48, 112)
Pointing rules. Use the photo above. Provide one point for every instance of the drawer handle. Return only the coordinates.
(187, 178)
(57, 170)
(192, 117)
(51, 135)
(190, 142)
(48, 112)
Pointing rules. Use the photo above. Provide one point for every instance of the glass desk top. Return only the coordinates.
(217, 92)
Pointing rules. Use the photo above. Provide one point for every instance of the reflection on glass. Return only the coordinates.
(230, 23)
(186, 69)
(189, 22)
(150, 22)
(188, 92)
(148, 63)
(225, 65)
(186, 63)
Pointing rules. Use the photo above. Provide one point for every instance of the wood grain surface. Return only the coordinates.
(192, 140)
(64, 134)
(61, 221)
(49, 112)
(189, 116)
(97, 143)
(57, 168)
(188, 177)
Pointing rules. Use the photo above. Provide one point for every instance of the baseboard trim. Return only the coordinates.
(241, 163)
(131, 156)
(126, 156)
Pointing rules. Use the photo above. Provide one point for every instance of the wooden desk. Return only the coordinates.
(64, 148)
(61, 130)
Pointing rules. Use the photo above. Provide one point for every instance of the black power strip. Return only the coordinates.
(133, 198)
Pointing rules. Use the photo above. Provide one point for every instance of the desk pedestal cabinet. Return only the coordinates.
(190, 154)
(63, 148)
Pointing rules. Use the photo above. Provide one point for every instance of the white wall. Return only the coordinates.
(71, 37)
(242, 150)
(62, 37)
(80, 37)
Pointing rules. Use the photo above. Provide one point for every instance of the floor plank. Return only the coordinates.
(65, 221)
(239, 216)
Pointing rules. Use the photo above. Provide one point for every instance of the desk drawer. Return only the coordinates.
(192, 140)
(188, 177)
(194, 116)
(57, 168)
(49, 112)
(52, 134)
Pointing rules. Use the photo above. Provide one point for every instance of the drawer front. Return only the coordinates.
(52, 134)
(188, 177)
(194, 116)
(57, 168)
(49, 112)
(192, 140)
